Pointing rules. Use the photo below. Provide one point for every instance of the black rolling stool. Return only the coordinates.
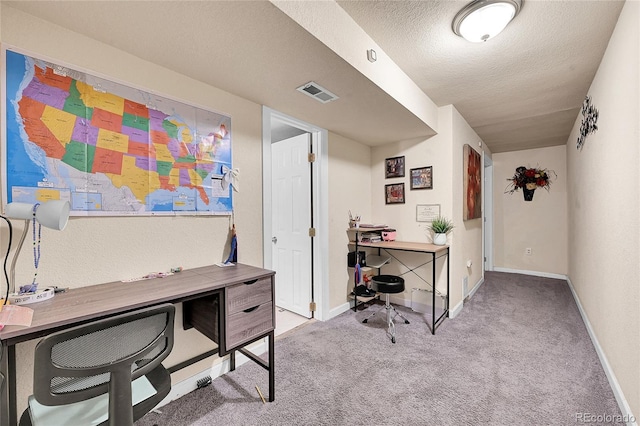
(388, 284)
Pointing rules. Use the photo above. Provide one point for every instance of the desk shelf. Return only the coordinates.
(362, 300)
(372, 262)
(377, 262)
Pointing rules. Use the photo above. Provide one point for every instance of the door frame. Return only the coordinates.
(487, 222)
(320, 207)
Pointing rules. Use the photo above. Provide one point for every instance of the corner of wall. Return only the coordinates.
(467, 264)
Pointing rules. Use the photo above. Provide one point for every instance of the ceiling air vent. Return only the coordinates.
(317, 92)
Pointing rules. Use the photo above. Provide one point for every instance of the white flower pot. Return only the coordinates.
(440, 239)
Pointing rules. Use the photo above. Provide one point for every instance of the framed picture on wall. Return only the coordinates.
(394, 193)
(472, 169)
(421, 178)
(394, 167)
(427, 212)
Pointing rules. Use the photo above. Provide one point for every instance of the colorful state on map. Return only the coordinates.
(109, 152)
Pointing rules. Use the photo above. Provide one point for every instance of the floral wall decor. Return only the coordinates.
(528, 179)
(589, 121)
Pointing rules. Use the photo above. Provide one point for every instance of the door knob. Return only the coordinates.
(274, 240)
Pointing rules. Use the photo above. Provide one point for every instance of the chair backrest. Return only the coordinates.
(102, 356)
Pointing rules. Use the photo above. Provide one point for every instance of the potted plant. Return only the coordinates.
(441, 226)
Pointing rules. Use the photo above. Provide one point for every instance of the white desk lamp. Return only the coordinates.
(52, 214)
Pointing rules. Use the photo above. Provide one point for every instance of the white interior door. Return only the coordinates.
(291, 220)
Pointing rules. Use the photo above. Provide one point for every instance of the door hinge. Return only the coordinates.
(312, 306)
(311, 157)
(312, 232)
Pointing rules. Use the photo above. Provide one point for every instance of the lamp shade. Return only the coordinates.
(481, 20)
(52, 214)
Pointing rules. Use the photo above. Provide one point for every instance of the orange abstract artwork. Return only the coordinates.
(472, 183)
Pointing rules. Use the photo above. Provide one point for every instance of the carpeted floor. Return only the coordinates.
(517, 354)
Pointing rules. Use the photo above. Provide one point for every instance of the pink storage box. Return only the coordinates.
(389, 235)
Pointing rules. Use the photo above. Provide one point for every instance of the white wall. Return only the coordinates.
(435, 152)
(468, 235)
(96, 250)
(349, 189)
(603, 199)
(386, 74)
(444, 152)
(540, 224)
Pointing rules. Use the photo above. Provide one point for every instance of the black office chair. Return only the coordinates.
(106, 372)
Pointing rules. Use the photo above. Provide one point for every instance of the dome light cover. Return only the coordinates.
(481, 20)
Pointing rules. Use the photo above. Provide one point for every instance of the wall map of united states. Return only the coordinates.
(83, 139)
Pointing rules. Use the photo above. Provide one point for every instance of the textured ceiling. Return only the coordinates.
(247, 48)
(520, 90)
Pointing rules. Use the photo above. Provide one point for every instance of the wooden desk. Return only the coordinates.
(231, 286)
(435, 251)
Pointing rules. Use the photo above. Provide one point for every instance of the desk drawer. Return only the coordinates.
(245, 325)
(247, 295)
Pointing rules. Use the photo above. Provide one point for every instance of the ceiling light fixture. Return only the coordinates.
(481, 20)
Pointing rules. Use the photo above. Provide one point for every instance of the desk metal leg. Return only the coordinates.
(433, 294)
(232, 360)
(8, 401)
(272, 368)
(448, 292)
(11, 386)
(269, 366)
(4, 394)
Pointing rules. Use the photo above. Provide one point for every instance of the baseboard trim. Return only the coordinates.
(220, 366)
(339, 310)
(534, 273)
(455, 311)
(398, 300)
(476, 287)
(613, 381)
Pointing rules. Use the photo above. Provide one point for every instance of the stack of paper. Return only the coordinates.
(15, 315)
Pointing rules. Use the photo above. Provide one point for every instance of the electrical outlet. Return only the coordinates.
(527, 251)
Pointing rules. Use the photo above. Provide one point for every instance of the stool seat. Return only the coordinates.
(387, 284)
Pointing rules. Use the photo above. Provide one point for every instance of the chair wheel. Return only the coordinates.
(406, 322)
(364, 321)
(393, 340)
